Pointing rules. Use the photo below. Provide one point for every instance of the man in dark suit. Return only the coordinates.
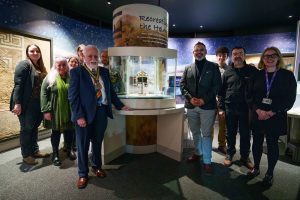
(200, 84)
(91, 97)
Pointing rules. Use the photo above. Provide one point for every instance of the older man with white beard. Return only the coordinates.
(91, 97)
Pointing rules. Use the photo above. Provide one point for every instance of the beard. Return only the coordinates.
(92, 64)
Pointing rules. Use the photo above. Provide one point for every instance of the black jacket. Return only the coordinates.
(23, 84)
(208, 85)
(235, 82)
(283, 94)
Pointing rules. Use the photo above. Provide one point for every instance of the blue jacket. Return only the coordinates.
(82, 95)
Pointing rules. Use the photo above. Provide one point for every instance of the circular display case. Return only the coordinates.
(140, 76)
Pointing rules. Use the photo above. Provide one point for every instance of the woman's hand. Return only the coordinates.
(47, 116)
(262, 115)
(81, 122)
(17, 109)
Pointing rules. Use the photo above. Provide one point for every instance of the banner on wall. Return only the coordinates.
(140, 25)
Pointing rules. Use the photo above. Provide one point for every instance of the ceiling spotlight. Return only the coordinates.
(174, 25)
(108, 2)
(290, 16)
(201, 26)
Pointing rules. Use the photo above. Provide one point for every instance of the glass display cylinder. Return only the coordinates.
(141, 76)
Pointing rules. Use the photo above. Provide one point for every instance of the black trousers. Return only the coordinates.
(55, 139)
(30, 119)
(236, 120)
(272, 147)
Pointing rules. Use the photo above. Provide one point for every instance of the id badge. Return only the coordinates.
(267, 101)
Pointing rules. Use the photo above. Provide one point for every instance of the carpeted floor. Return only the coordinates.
(150, 176)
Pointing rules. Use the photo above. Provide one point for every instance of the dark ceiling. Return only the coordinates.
(218, 17)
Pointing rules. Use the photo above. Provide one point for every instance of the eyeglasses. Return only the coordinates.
(273, 56)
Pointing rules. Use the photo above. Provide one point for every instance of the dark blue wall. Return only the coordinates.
(68, 33)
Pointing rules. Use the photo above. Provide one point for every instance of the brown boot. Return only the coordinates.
(41, 155)
(247, 163)
(29, 160)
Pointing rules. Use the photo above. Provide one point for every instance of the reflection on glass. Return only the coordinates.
(142, 77)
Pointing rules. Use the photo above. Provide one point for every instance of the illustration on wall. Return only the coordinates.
(12, 50)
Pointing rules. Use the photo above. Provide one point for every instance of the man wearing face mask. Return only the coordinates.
(232, 97)
(91, 97)
(200, 84)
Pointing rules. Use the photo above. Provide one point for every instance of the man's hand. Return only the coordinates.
(126, 108)
(81, 122)
(197, 101)
(221, 113)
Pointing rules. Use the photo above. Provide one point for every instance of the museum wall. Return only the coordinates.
(67, 33)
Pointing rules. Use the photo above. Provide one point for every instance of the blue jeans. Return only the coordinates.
(201, 123)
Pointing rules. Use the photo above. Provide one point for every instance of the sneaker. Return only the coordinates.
(267, 181)
(29, 160)
(208, 168)
(222, 149)
(247, 163)
(253, 173)
(228, 160)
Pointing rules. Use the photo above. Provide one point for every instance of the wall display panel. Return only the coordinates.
(12, 50)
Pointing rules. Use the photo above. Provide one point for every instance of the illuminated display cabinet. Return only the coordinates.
(140, 76)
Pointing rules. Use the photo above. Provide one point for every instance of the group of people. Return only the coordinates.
(74, 98)
(246, 99)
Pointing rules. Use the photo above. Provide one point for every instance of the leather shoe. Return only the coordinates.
(29, 160)
(41, 155)
(208, 168)
(99, 172)
(253, 173)
(228, 160)
(193, 158)
(72, 155)
(82, 182)
(267, 181)
(222, 149)
(247, 162)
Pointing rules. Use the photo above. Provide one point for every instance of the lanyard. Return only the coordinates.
(269, 84)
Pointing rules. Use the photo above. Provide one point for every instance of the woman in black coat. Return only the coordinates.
(25, 102)
(272, 94)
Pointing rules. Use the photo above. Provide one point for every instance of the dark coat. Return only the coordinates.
(283, 95)
(235, 82)
(208, 85)
(82, 95)
(23, 84)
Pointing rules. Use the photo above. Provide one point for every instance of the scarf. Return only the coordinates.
(62, 102)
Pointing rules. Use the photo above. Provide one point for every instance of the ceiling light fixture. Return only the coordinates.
(174, 25)
(108, 2)
(201, 26)
(290, 16)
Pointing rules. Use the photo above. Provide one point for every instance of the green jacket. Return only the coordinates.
(49, 97)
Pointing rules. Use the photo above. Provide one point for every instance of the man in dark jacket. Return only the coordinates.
(200, 84)
(233, 101)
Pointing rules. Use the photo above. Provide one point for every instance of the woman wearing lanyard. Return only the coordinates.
(272, 94)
